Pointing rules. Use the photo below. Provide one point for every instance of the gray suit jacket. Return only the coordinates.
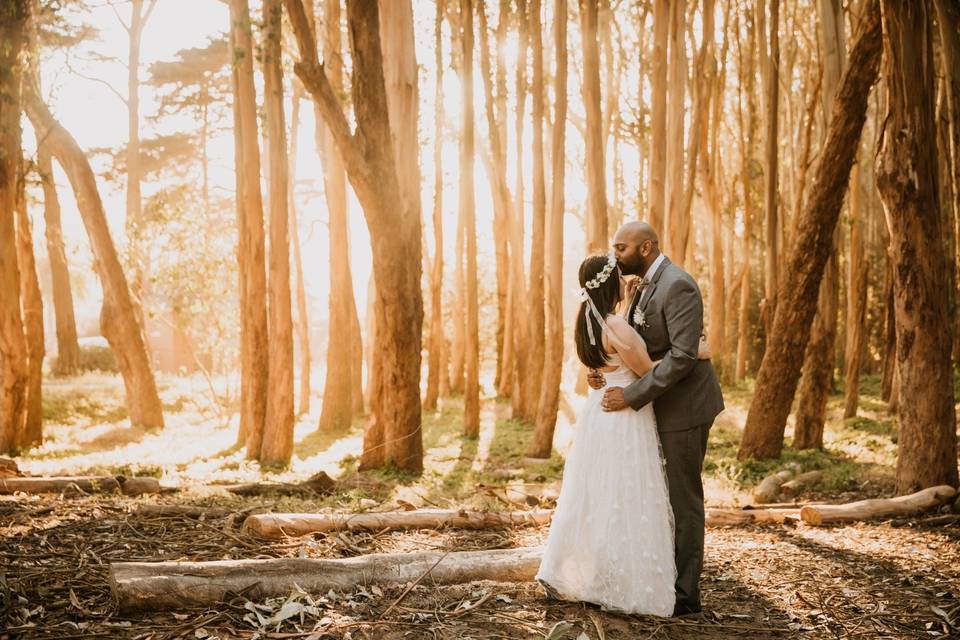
(684, 391)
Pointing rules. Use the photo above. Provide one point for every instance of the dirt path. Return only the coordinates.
(777, 582)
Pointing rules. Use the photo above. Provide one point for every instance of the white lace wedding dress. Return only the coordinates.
(611, 539)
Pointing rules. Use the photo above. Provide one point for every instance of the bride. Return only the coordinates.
(611, 538)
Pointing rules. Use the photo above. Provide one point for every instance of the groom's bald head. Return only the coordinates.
(636, 246)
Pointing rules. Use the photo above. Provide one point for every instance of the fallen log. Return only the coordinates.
(878, 507)
(80, 484)
(173, 510)
(318, 483)
(158, 586)
(795, 486)
(86, 484)
(734, 517)
(278, 525)
(8, 467)
(769, 488)
(138, 486)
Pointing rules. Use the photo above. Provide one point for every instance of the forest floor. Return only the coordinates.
(897, 578)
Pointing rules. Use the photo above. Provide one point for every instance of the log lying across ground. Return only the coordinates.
(8, 467)
(734, 517)
(319, 483)
(769, 488)
(172, 510)
(85, 484)
(158, 586)
(802, 481)
(878, 508)
(278, 525)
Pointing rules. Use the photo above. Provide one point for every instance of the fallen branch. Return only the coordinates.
(157, 586)
(795, 486)
(278, 525)
(161, 510)
(734, 517)
(769, 488)
(81, 484)
(8, 467)
(320, 483)
(878, 508)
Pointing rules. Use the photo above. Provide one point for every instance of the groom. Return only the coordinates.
(667, 312)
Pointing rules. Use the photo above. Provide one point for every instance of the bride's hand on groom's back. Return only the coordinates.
(595, 379)
(703, 351)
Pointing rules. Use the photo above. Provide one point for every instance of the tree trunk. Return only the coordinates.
(782, 360)
(459, 346)
(31, 304)
(250, 236)
(502, 215)
(856, 300)
(709, 172)
(436, 363)
(535, 329)
(13, 342)
(519, 378)
(771, 93)
(948, 17)
(676, 97)
(596, 179)
(747, 68)
(280, 525)
(890, 335)
(542, 441)
(658, 115)
(817, 372)
(471, 391)
(143, 586)
(370, 163)
(277, 446)
(134, 222)
(118, 318)
(303, 320)
(68, 348)
(337, 406)
(906, 179)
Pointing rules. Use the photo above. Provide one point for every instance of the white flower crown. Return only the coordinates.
(604, 274)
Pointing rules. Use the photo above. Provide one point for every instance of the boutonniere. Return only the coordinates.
(639, 318)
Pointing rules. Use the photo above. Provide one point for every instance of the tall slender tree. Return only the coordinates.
(596, 179)
(542, 442)
(337, 409)
(907, 180)
(535, 329)
(13, 342)
(277, 447)
(817, 373)
(771, 92)
(31, 304)
(68, 346)
(437, 362)
(471, 389)
(658, 114)
(118, 317)
(254, 365)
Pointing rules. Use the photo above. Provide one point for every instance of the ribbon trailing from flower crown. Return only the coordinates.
(589, 308)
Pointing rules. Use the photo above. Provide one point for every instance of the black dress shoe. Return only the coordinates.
(682, 610)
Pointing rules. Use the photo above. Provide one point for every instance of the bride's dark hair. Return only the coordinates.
(605, 297)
